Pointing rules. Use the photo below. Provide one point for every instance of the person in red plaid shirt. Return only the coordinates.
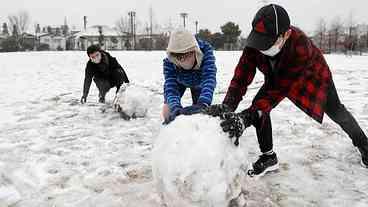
(293, 68)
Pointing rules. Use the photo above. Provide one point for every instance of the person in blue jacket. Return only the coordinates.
(190, 63)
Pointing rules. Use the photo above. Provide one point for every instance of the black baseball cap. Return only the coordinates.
(269, 22)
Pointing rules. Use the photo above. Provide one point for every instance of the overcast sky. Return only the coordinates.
(210, 13)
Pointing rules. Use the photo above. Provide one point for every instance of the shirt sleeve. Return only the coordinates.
(209, 70)
(171, 92)
(243, 77)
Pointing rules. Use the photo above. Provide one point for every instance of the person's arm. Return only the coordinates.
(302, 54)
(116, 66)
(171, 91)
(209, 70)
(125, 77)
(87, 81)
(243, 76)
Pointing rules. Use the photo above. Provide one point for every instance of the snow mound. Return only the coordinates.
(195, 163)
(132, 101)
(8, 193)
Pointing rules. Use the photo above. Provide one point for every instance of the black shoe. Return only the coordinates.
(265, 163)
(101, 99)
(364, 152)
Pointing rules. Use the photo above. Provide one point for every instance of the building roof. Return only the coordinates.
(28, 35)
(93, 32)
(51, 35)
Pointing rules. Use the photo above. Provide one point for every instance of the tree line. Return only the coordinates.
(332, 37)
(338, 37)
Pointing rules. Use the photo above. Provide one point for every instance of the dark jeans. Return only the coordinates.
(195, 91)
(103, 86)
(334, 109)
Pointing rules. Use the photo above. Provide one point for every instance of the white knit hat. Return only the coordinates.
(182, 41)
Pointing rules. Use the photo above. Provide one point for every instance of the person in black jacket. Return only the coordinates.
(105, 71)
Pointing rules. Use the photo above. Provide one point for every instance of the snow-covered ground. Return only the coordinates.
(57, 152)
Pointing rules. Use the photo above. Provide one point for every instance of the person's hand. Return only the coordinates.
(83, 100)
(173, 114)
(216, 110)
(194, 109)
(236, 123)
(233, 124)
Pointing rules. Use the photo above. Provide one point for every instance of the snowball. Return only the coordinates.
(132, 101)
(196, 164)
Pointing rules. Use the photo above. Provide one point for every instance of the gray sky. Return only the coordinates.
(210, 13)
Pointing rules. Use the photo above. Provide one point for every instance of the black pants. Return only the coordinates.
(103, 86)
(334, 109)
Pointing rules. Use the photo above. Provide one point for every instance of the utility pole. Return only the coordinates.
(184, 16)
(150, 27)
(132, 26)
(196, 24)
(85, 23)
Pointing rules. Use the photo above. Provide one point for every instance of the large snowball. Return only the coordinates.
(196, 164)
(132, 101)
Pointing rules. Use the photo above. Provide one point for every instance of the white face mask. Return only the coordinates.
(275, 49)
(96, 59)
(188, 63)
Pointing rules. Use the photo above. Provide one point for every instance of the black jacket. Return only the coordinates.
(108, 69)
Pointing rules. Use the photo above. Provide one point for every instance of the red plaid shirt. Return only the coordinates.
(300, 74)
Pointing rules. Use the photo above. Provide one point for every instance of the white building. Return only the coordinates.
(112, 39)
(54, 42)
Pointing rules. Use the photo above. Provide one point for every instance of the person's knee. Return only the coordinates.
(263, 118)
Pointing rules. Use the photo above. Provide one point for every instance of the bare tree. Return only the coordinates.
(151, 16)
(21, 21)
(337, 30)
(321, 33)
(150, 27)
(123, 25)
(352, 39)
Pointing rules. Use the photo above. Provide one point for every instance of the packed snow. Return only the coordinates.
(204, 167)
(131, 101)
(56, 152)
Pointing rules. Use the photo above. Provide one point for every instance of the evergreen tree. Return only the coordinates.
(38, 29)
(15, 31)
(49, 30)
(58, 31)
(5, 29)
(231, 33)
(218, 40)
(101, 37)
(204, 34)
(65, 29)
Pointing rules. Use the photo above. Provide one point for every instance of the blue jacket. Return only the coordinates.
(204, 78)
